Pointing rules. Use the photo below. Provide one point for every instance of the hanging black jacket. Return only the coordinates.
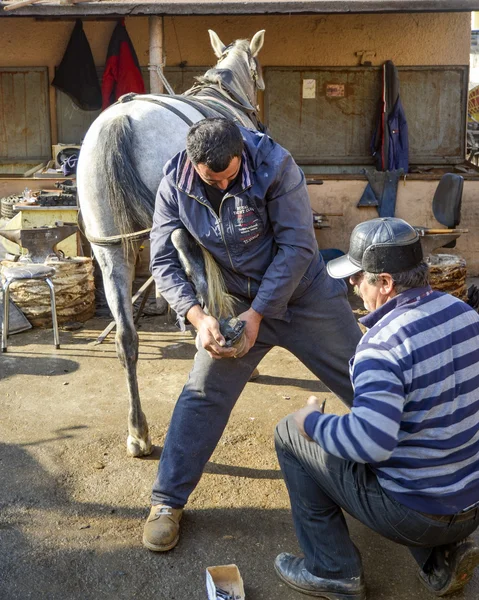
(76, 75)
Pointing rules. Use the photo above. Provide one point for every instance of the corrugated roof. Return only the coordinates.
(235, 7)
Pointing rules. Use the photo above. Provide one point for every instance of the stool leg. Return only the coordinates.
(6, 314)
(56, 338)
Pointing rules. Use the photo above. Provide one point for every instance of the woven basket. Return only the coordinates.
(448, 274)
(74, 292)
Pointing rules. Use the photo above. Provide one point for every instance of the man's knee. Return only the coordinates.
(284, 433)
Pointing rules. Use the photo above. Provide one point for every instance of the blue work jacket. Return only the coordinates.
(263, 238)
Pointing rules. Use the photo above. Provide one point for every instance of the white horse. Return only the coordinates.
(119, 170)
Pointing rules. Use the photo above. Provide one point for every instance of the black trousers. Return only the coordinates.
(320, 485)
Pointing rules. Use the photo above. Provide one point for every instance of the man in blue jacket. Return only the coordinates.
(242, 197)
(405, 460)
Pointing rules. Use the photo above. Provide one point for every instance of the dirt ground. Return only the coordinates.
(72, 504)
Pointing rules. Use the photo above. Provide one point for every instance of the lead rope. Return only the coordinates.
(158, 69)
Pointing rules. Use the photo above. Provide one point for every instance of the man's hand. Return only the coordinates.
(209, 333)
(300, 415)
(252, 321)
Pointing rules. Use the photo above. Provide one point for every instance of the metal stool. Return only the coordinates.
(30, 271)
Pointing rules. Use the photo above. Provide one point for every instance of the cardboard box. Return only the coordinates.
(227, 578)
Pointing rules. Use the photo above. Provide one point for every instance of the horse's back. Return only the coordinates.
(158, 133)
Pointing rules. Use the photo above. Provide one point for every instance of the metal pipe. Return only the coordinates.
(56, 337)
(6, 311)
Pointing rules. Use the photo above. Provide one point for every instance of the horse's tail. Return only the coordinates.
(131, 202)
(220, 304)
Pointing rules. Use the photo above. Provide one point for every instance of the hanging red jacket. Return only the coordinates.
(122, 71)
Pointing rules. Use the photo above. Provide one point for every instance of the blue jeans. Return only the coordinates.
(320, 485)
(322, 333)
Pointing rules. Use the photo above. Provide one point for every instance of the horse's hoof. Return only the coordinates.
(232, 329)
(137, 448)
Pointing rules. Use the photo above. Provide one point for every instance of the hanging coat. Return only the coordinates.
(390, 145)
(76, 76)
(122, 71)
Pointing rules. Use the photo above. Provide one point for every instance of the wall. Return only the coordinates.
(332, 40)
(414, 204)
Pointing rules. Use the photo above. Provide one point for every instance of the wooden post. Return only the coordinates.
(156, 53)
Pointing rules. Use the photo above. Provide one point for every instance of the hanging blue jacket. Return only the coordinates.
(398, 156)
(263, 238)
(390, 143)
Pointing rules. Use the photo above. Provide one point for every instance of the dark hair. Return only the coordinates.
(214, 143)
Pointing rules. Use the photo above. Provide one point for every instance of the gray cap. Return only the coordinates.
(386, 245)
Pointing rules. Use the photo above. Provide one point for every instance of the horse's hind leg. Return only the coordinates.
(191, 259)
(117, 280)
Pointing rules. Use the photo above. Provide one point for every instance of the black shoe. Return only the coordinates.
(292, 571)
(450, 567)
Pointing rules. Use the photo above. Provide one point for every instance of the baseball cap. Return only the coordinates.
(386, 245)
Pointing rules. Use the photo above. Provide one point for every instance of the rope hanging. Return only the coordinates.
(158, 69)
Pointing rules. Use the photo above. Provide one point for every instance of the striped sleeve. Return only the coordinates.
(369, 433)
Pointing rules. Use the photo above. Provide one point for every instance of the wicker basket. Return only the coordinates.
(74, 292)
(448, 274)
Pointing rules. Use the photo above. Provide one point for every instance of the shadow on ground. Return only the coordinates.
(56, 548)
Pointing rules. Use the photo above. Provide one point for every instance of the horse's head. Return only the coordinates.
(240, 58)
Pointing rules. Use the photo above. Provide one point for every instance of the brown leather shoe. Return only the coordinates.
(162, 528)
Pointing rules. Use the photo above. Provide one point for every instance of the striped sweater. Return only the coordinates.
(415, 416)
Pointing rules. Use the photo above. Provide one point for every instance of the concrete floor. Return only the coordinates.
(72, 504)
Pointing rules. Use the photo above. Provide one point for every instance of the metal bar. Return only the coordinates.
(111, 326)
(56, 337)
(139, 312)
(6, 311)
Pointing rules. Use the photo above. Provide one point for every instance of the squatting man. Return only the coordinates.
(405, 460)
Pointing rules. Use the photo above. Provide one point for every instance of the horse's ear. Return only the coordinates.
(257, 43)
(217, 44)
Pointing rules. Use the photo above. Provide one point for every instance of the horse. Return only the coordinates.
(119, 170)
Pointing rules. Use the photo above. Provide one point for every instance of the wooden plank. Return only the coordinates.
(240, 7)
(3, 129)
(333, 120)
(156, 53)
(434, 104)
(16, 5)
(8, 108)
(16, 118)
(24, 114)
(32, 106)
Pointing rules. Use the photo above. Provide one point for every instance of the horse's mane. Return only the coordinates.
(223, 77)
(214, 75)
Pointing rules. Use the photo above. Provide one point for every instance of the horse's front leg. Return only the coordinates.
(117, 280)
